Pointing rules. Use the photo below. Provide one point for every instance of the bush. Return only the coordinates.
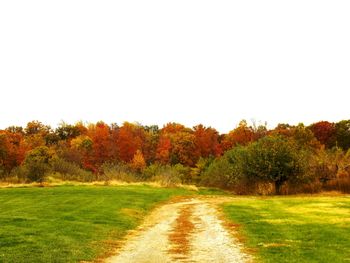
(119, 172)
(66, 170)
(167, 175)
(341, 184)
(218, 174)
(37, 164)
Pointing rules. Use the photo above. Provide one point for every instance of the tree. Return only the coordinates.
(151, 141)
(342, 133)
(35, 134)
(207, 141)
(163, 150)
(282, 129)
(131, 138)
(242, 135)
(67, 132)
(101, 144)
(275, 159)
(324, 131)
(138, 162)
(12, 150)
(177, 145)
(37, 163)
(304, 137)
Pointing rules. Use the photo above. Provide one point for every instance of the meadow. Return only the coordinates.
(71, 223)
(294, 229)
(86, 223)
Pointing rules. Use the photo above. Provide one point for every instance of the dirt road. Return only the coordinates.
(184, 231)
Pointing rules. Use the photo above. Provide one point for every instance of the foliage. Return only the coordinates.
(342, 131)
(187, 155)
(242, 135)
(274, 159)
(70, 171)
(37, 164)
(218, 174)
(138, 163)
(167, 175)
(119, 172)
(324, 131)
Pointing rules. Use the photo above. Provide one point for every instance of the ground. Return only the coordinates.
(72, 223)
(124, 223)
(308, 228)
(189, 230)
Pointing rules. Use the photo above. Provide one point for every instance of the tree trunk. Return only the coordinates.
(278, 185)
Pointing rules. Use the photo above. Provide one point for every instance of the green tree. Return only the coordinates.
(342, 131)
(274, 159)
(37, 163)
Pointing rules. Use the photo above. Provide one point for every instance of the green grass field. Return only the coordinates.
(294, 229)
(76, 223)
(71, 223)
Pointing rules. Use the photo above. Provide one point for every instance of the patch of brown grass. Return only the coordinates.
(179, 237)
(134, 213)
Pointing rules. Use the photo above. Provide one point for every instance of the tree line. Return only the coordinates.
(247, 156)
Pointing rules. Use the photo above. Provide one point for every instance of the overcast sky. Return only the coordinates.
(210, 62)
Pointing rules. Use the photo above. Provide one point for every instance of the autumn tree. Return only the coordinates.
(101, 145)
(131, 138)
(35, 134)
(206, 141)
(282, 129)
(304, 137)
(67, 131)
(241, 135)
(138, 162)
(79, 152)
(12, 150)
(163, 149)
(151, 141)
(324, 131)
(177, 145)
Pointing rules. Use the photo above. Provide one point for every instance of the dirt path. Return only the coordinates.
(184, 231)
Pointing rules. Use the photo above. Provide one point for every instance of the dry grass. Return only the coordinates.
(55, 182)
(179, 237)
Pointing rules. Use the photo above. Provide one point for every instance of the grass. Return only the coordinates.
(71, 223)
(294, 229)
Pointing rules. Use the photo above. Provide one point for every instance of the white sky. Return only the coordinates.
(210, 62)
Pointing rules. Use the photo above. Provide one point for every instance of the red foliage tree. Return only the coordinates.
(207, 141)
(177, 145)
(12, 150)
(324, 132)
(130, 138)
(242, 135)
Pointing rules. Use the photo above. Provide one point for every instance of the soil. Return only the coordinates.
(189, 230)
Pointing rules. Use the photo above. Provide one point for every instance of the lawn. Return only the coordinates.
(294, 229)
(71, 223)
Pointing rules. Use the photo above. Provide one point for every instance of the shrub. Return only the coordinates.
(167, 175)
(66, 170)
(218, 174)
(37, 164)
(119, 172)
